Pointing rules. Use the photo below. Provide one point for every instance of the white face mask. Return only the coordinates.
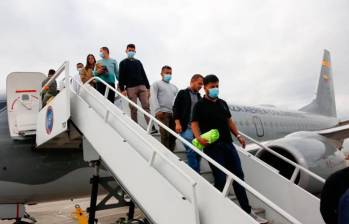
(79, 69)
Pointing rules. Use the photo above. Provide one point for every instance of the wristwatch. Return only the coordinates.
(238, 136)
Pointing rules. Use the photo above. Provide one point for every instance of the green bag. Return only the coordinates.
(211, 136)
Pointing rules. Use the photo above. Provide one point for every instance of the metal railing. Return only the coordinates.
(154, 152)
(63, 67)
(230, 176)
(297, 167)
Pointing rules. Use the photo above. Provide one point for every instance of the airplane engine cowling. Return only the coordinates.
(310, 150)
(345, 148)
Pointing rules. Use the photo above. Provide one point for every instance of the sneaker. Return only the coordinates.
(258, 218)
(154, 131)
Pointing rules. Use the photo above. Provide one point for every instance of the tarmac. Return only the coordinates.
(62, 212)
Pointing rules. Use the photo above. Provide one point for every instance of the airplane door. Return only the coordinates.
(259, 126)
(23, 94)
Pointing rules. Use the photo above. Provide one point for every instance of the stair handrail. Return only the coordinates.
(63, 67)
(155, 152)
(230, 176)
(298, 167)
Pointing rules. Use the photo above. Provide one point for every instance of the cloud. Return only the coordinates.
(265, 52)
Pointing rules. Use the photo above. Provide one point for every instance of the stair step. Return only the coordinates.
(207, 174)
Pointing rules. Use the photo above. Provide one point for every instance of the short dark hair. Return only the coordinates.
(196, 77)
(51, 72)
(131, 46)
(210, 78)
(166, 67)
(105, 49)
(79, 64)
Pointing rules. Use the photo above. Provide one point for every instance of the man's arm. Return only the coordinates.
(234, 130)
(122, 76)
(154, 93)
(176, 105)
(95, 72)
(196, 129)
(196, 132)
(175, 110)
(195, 125)
(146, 82)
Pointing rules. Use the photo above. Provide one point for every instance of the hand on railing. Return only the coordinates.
(242, 141)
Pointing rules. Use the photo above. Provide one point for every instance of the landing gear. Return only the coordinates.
(123, 199)
(21, 222)
(26, 216)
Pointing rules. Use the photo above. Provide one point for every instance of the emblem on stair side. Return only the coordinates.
(49, 120)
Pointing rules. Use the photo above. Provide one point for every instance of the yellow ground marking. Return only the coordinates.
(80, 215)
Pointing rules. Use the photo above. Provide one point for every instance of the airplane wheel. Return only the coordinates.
(21, 222)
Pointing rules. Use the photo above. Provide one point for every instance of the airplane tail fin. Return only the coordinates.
(324, 103)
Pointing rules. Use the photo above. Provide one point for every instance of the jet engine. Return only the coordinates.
(345, 148)
(308, 149)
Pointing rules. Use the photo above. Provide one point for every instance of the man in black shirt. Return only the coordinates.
(133, 81)
(334, 188)
(213, 113)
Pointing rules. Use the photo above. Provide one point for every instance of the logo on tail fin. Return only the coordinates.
(324, 103)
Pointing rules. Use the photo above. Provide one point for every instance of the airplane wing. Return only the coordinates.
(337, 133)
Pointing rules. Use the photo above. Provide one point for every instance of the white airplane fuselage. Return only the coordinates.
(268, 123)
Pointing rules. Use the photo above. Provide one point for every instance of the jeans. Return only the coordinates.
(343, 209)
(167, 139)
(192, 156)
(226, 155)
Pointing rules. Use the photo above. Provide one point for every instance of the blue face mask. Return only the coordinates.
(213, 93)
(167, 78)
(131, 54)
(101, 55)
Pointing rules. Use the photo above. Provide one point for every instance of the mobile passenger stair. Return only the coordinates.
(159, 182)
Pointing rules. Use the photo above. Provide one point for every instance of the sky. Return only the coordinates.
(264, 52)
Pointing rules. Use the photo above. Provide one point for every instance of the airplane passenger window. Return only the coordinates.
(25, 97)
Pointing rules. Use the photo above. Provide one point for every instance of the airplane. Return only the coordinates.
(310, 136)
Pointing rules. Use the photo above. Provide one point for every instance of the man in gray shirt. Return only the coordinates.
(163, 94)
